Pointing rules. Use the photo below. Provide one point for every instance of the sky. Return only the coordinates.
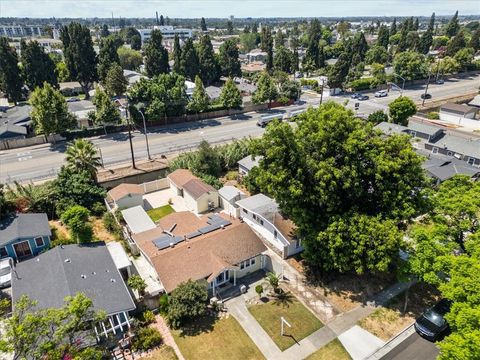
(238, 8)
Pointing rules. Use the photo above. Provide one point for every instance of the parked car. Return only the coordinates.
(265, 120)
(6, 272)
(440, 82)
(381, 93)
(73, 99)
(432, 324)
(363, 97)
(426, 96)
(355, 95)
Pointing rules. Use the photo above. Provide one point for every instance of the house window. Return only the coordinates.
(435, 150)
(245, 211)
(3, 252)
(261, 222)
(297, 244)
(242, 265)
(471, 161)
(252, 261)
(39, 241)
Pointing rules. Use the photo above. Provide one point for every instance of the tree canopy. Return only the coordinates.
(209, 67)
(401, 109)
(230, 96)
(156, 56)
(186, 302)
(38, 67)
(228, 59)
(10, 79)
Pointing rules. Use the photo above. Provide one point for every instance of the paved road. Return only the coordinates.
(44, 161)
(413, 348)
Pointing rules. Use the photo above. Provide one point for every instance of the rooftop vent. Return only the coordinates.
(113, 280)
(83, 276)
(107, 270)
(172, 244)
(67, 260)
(94, 273)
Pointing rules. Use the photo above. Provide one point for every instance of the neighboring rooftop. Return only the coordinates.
(180, 177)
(70, 269)
(14, 129)
(24, 226)
(122, 190)
(250, 161)
(285, 226)
(196, 188)
(468, 147)
(119, 256)
(390, 128)
(444, 168)
(458, 108)
(424, 128)
(259, 204)
(137, 219)
(230, 193)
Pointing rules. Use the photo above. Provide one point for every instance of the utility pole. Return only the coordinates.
(426, 88)
(321, 93)
(130, 137)
(139, 108)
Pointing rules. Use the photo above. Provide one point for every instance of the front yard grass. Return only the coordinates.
(158, 213)
(215, 339)
(334, 350)
(386, 322)
(303, 322)
(165, 352)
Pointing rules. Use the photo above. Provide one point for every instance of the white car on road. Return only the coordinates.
(6, 272)
(381, 93)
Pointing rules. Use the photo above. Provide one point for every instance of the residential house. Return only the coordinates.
(229, 195)
(24, 235)
(441, 168)
(70, 88)
(391, 128)
(137, 220)
(81, 109)
(462, 115)
(262, 214)
(467, 150)
(215, 248)
(199, 196)
(133, 77)
(12, 132)
(246, 164)
(424, 131)
(70, 269)
(256, 55)
(125, 196)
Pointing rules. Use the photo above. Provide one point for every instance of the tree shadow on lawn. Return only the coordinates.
(199, 325)
(283, 298)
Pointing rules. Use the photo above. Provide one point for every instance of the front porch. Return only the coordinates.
(232, 288)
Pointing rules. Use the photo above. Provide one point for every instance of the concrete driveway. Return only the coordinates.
(359, 342)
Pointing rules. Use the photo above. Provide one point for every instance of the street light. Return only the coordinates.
(403, 85)
(130, 136)
(139, 107)
(426, 88)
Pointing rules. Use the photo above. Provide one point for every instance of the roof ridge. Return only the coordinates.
(62, 261)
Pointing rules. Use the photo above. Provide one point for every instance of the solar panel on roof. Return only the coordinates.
(194, 234)
(162, 243)
(223, 223)
(177, 239)
(209, 228)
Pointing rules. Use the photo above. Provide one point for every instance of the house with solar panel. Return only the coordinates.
(214, 247)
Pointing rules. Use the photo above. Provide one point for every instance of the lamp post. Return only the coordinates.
(403, 85)
(139, 107)
(426, 88)
(322, 79)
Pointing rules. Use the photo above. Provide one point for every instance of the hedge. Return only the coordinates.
(363, 84)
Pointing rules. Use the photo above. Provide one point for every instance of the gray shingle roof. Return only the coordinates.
(249, 162)
(444, 168)
(259, 204)
(390, 128)
(15, 129)
(57, 273)
(24, 226)
(467, 147)
(230, 192)
(424, 128)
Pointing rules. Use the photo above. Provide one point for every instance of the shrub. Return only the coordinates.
(109, 222)
(232, 175)
(259, 290)
(76, 219)
(433, 115)
(137, 283)
(187, 301)
(148, 317)
(377, 117)
(163, 304)
(146, 339)
(364, 84)
(98, 208)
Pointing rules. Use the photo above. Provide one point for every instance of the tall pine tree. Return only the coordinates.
(107, 56)
(453, 26)
(228, 59)
(177, 55)
(209, 69)
(10, 80)
(189, 66)
(156, 56)
(38, 67)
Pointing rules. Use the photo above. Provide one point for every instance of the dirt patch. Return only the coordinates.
(61, 231)
(99, 230)
(296, 262)
(388, 321)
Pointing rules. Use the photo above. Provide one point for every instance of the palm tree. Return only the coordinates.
(82, 156)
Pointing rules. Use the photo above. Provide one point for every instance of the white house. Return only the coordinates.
(228, 197)
(458, 114)
(262, 214)
(125, 196)
(246, 164)
(200, 197)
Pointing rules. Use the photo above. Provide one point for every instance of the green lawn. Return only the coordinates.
(158, 213)
(303, 322)
(163, 353)
(212, 339)
(333, 350)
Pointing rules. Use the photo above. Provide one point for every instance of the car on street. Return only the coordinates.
(432, 324)
(265, 120)
(6, 272)
(426, 96)
(355, 95)
(381, 93)
(363, 97)
(73, 99)
(439, 82)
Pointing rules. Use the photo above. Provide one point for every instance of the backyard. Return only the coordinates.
(163, 353)
(334, 350)
(158, 213)
(386, 322)
(302, 321)
(215, 339)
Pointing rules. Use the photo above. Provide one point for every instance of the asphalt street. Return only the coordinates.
(413, 348)
(44, 161)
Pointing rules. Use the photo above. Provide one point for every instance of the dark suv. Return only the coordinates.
(432, 324)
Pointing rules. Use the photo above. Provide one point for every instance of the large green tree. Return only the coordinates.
(108, 56)
(129, 59)
(38, 67)
(200, 100)
(230, 96)
(187, 302)
(156, 56)
(189, 66)
(80, 56)
(209, 68)
(283, 60)
(266, 89)
(177, 55)
(401, 109)
(81, 156)
(334, 168)
(426, 40)
(50, 113)
(339, 71)
(452, 27)
(376, 54)
(115, 82)
(383, 37)
(106, 111)
(457, 43)
(228, 59)
(32, 333)
(10, 79)
(410, 65)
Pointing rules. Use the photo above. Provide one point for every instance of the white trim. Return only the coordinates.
(113, 325)
(28, 242)
(119, 322)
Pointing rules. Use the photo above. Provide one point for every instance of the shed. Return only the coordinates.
(246, 164)
(137, 219)
(125, 196)
(228, 196)
(199, 196)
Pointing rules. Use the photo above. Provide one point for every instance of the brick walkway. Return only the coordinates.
(167, 337)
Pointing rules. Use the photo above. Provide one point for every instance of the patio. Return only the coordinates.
(164, 197)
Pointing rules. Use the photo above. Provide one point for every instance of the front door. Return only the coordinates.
(22, 249)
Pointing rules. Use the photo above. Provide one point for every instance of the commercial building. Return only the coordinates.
(14, 31)
(168, 33)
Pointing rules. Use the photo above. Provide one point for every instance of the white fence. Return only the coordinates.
(155, 185)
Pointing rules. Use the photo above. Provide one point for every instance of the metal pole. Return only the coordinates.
(130, 137)
(426, 88)
(101, 156)
(146, 136)
(321, 95)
